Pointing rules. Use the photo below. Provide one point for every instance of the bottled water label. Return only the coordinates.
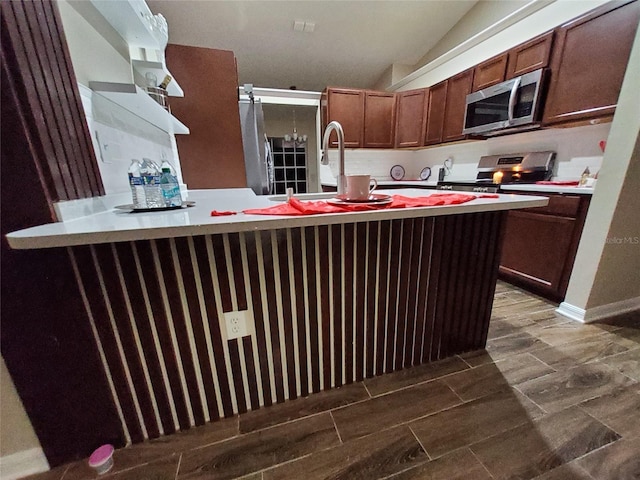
(137, 187)
(171, 194)
(170, 188)
(152, 191)
(135, 181)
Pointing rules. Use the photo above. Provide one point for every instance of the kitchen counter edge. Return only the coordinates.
(118, 226)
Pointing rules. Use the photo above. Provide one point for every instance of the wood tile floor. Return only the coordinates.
(547, 399)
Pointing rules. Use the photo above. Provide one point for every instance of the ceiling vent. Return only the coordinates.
(302, 26)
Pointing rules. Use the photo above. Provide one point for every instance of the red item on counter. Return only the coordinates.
(296, 207)
(216, 213)
(566, 183)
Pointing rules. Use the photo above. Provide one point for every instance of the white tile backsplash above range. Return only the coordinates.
(576, 148)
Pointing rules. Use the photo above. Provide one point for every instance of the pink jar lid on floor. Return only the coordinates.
(102, 458)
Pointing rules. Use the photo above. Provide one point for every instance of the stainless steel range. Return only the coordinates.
(506, 169)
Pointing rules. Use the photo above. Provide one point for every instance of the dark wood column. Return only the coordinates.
(47, 156)
(211, 156)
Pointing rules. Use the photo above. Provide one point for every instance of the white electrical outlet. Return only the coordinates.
(237, 324)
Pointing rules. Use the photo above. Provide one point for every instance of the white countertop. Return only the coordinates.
(114, 225)
(533, 187)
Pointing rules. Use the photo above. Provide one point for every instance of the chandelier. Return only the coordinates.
(294, 135)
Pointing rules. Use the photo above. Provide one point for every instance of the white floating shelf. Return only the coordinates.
(138, 102)
(132, 19)
(159, 70)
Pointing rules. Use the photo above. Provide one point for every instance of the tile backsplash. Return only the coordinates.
(576, 148)
(119, 136)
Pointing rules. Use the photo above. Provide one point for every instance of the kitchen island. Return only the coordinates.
(324, 300)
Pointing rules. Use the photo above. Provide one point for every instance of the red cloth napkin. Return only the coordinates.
(567, 183)
(216, 213)
(296, 207)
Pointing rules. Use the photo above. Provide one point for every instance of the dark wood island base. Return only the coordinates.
(332, 305)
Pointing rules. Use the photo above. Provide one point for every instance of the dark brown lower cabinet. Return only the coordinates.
(540, 245)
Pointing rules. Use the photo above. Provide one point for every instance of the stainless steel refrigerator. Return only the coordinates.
(258, 160)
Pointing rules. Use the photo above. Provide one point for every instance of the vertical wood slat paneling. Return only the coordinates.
(348, 318)
(149, 346)
(63, 99)
(310, 236)
(198, 318)
(258, 299)
(371, 289)
(265, 261)
(393, 294)
(383, 294)
(91, 179)
(99, 306)
(161, 332)
(360, 300)
(35, 49)
(299, 288)
(335, 295)
(36, 84)
(323, 265)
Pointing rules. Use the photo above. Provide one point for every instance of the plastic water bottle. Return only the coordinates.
(137, 188)
(151, 182)
(170, 187)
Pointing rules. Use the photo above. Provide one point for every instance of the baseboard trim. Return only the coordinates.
(21, 464)
(570, 311)
(598, 313)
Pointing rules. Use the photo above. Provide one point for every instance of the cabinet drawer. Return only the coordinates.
(561, 205)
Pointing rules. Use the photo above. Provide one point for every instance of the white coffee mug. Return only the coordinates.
(359, 187)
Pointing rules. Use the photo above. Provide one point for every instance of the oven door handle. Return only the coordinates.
(512, 98)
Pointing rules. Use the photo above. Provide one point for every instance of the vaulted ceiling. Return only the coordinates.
(352, 43)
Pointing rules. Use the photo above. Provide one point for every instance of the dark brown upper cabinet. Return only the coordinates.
(437, 99)
(521, 59)
(346, 106)
(457, 90)
(410, 118)
(490, 72)
(379, 119)
(588, 63)
(529, 56)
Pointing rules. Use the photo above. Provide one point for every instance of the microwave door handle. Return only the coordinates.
(512, 98)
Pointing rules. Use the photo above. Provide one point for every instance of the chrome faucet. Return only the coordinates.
(325, 154)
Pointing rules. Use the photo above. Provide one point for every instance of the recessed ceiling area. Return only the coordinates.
(352, 43)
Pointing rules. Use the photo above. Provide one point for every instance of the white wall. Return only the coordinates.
(460, 59)
(482, 15)
(20, 451)
(393, 75)
(98, 53)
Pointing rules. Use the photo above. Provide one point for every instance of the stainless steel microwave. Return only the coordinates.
(515, 104)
